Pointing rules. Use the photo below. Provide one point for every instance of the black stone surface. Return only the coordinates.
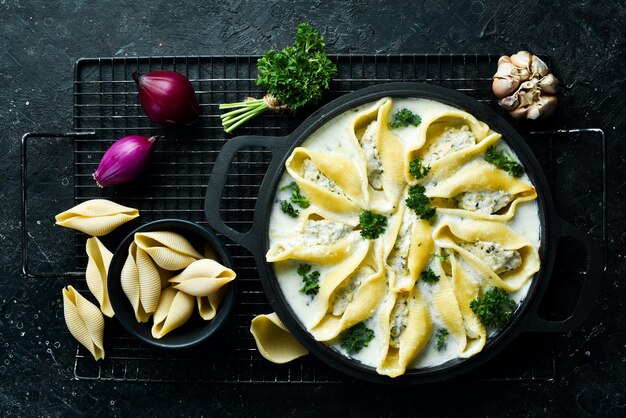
(39, 44)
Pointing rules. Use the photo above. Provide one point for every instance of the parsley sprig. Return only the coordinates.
(296, 197)
(288, 208)
(372, 224)
(403, 118)
(504, 161)
(442, 257)
(417, 169)
(420, 203)
(356, 338)
(310, 278)
(294, 77)
(442, 335)
(494, 308)
(429, 276)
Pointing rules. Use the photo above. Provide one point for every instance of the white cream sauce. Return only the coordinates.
(333, 137)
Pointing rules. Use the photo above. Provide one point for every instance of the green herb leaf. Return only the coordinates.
(420, 203)
(429, 276)
(404, 118)
(442, 257)
(296, 197)
(372, 224)
(417, 170)
(310, 278)
(356, 338)
(504, 161)
(289, 209)
(494, 308)
(442, 335)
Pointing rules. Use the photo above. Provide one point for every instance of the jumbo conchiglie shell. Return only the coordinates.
(129, 279)
(480, 176)
(85, 321)
(351, 189)
(175, 308)
(274, 341)
(169, 250)
(202, 278)
(96, 274)
(207, 305)
(96, 217)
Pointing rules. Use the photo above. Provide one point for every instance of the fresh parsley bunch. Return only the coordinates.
(294, 77)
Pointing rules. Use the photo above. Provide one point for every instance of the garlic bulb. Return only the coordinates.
(525, 86)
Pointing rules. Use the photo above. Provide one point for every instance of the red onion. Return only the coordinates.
(167, 97)
(124, 161)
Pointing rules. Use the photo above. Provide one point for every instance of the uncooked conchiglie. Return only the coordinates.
(169, 250)
(85, 321)
(274, 341)
(203, 278)
(174, 309)
(96, 274)
(96, 217)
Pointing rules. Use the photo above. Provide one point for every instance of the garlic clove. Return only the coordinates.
(549, 84)
(522, 59)
(510, 102)
(504, 59)
(519, 113)
(534, 111)
(549, 104)
(538, 67)
(506, 70)
(503, 87)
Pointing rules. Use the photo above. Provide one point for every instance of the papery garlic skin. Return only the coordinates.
(525, 86)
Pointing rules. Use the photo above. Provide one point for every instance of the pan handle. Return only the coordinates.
(589, 291)
(278, 145)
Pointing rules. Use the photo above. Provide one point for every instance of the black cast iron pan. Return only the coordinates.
(553, 228)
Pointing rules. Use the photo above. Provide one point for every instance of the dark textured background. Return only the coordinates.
(39, 44)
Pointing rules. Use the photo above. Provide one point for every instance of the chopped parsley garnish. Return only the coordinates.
(356, 338)
(420, 203)
(289, 209)
(310, 278)
(296, 197)
(429, 276)
(417, 169)
(442, 257)
(404, 118)
(442, 335)
(504, 161)
(372, 224)
(494, 308)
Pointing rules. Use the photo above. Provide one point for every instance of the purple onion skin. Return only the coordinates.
(124, 161)
(167, 98)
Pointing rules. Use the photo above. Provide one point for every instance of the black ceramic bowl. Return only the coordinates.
(256, 239)
(196, 329)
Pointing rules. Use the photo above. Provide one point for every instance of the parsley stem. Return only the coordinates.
(244, 111)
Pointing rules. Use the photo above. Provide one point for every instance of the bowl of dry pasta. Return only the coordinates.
(171, 283)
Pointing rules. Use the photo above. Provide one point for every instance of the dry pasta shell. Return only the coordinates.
(96, 217)
(85, 321)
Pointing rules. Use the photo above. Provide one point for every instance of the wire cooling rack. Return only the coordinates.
(106, 103)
